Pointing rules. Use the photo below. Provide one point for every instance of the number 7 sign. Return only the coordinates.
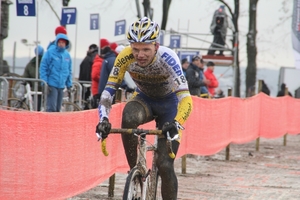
(68, 16)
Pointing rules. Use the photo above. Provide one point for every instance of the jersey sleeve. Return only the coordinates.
(123, 60)
(182, 91)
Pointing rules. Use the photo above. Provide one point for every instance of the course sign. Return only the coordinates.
(187, 54)
(94, 22)
(25, 8)
(175, 41)
(120, 27)
(68, 16)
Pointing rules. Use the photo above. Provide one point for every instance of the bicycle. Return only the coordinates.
(143, 183)
(23, 100)
(67, 105)
(86, 104)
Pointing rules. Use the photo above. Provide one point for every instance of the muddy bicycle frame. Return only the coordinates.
(149, 177)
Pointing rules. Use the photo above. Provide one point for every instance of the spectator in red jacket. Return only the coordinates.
(209, 75)
(96, 69)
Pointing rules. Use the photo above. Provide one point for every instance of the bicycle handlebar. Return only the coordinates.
(136, 131)
(139, 132)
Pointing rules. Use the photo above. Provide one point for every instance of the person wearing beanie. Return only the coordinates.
(96, 69)
(104, 46)
(58, 30)
(56, 71)
(109, 57)
(184, 65)
(113, 47)
(30, 69)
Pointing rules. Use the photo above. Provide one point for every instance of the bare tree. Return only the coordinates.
(235, 43)
(51, 7)
(166, 6)
(251, 48)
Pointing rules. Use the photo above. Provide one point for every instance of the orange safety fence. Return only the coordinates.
(56, 155)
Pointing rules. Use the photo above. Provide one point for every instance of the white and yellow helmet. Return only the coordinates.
(143, 30)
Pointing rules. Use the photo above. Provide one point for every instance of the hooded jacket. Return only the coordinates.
(56, 65)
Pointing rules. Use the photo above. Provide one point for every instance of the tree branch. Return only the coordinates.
(53, 10)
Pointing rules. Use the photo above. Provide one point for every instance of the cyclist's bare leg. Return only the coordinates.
(165, 165)
(135, 113)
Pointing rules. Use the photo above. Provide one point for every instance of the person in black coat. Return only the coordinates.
(86, 67)
(281, 92)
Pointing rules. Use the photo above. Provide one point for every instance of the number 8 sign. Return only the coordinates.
(68, 16)
(26, 8)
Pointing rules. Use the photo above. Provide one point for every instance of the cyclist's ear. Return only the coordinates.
(156, 46)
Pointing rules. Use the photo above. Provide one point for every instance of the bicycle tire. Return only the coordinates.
(16, 104)
(69, 107)
(154, 186)
(134, 186)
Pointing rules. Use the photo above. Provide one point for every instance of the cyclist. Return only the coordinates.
(162, 94)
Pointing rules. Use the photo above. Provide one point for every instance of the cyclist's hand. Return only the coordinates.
(172, 128)
(103, 128)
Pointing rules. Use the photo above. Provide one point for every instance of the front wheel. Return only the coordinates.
(69, 107)
(134, 187)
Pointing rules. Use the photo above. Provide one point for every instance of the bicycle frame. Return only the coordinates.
(149, 177)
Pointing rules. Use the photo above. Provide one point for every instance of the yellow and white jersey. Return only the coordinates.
(157, 80)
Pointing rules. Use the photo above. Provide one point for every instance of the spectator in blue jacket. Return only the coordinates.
(56, 71)
(58, 30)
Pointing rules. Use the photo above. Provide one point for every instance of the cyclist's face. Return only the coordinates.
(144, 53)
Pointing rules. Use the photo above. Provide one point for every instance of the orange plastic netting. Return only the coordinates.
(56, 155)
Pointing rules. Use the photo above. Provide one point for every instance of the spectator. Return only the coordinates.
(209, 75)
(96, 69)
(86, 67)
(58, 30)
(195, 77)
(281, 92)
(265, 88)
(109, 57)
(184, 64)
(56, 71)
(218, 28)
(113, 47)
(5, 68)
(30, 71)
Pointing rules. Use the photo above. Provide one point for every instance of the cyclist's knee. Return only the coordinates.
(134, 114)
